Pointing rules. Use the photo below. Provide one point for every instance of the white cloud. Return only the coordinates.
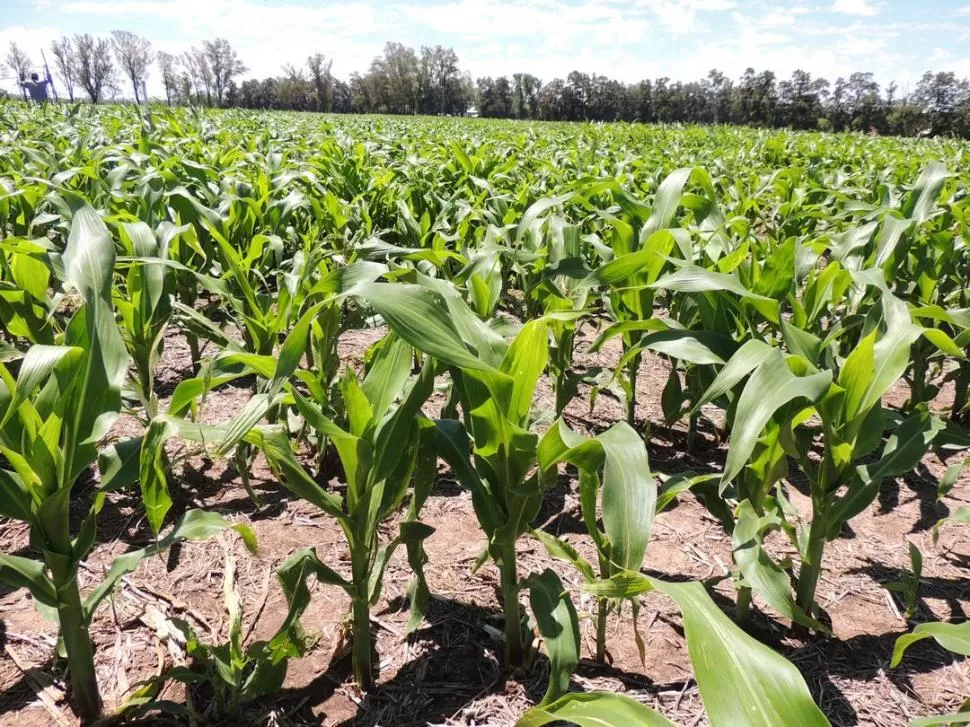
(855, 7)
(679, 16)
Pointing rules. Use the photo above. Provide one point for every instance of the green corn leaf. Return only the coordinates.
(119, 464)
(763, 574)
(745, 360)
(594, 709)
(419, 316)
(629, 495)
(942, 720)
(19, 572)
(770, 387)
(558, 625)
(741, 681)
(953, 637)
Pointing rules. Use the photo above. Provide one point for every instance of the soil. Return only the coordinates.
(450, 670)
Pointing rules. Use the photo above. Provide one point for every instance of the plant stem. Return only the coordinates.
(243, 453)
(514, 656)
(602, 608)
(742, 608)
(77, 643)
(361, 644)
(960, 392)
(811, 569)
(632, 369)
(193, 342)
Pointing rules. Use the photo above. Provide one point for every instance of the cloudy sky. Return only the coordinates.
(625, 39)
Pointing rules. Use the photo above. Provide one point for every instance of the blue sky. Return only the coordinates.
(625, 39)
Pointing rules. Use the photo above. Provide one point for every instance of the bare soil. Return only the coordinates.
(450, 670)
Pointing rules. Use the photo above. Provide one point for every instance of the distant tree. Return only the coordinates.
(197, 68)
(293, 90)
(65, 63)
(553, 102)
(864, 100)
(720, 87)
(802, 97)
(525, 93)
(440, 80)
(166, 65)
(134, 54)
(95, 72)
(393, 81)
(641, 101)
(838, 104)
(17, 61)
(342, 97)
(184, 88)
(224, 64)
(322, 80)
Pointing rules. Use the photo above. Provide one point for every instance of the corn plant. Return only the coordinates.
(787, 407)
(145, 306)
(493, 452)
(54, 413)
(955, 638)
(384, 445)
(626, 495)
(26, 310)
(762, 689)
(231, 673)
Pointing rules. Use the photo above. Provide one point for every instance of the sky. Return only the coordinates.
(624, 39)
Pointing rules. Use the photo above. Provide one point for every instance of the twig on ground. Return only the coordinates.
(45, 693)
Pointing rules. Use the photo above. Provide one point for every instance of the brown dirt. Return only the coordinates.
(449, 672)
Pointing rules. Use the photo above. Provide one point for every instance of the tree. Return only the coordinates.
(94, 69)
(65, 63)
(18, 62)
(197, 68)
(322, 80)
(224, 63)
(294, 92)
(864, 100)
(720, 96)
(441, 82)
(525, 95)
(802, 98)
(394, 80)
(166, 65)
(838, 101)
(134, 55)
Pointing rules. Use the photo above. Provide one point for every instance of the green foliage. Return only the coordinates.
(802, 296)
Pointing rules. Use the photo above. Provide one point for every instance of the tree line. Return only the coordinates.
(403, 80)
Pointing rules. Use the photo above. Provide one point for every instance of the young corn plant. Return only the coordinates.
(145, 304)
(562, 298)
(62, 402)
(625, 493)
(384, 445)
(827, 422)
(220, 679)
(492, 452)
(26, 308)
(762, 689)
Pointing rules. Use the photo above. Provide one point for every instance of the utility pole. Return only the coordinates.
(50, 78)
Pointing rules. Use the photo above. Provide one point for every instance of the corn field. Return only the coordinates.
(360, 420)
